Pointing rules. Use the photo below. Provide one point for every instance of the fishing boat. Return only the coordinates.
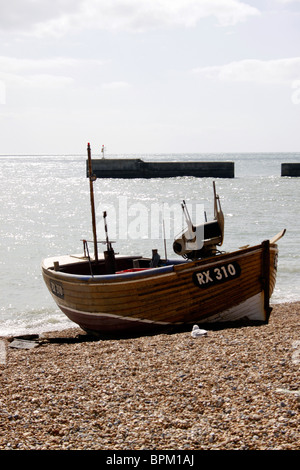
(110, 294)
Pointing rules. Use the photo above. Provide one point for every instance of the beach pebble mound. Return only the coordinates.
(230, 389)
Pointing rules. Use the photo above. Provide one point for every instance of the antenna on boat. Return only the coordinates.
(92, 178)
(187, 216)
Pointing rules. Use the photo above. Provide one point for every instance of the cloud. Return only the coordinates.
(23, 15)
(288, 1)
(61, 16)
(16, 64)
(43, 73)
(115, 85)
(251, 70)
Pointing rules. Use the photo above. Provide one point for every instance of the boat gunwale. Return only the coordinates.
(111, 277)
(180, 268)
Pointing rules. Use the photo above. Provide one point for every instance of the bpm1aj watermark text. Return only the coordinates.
(151, 459)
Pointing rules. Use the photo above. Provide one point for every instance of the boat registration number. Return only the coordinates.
(57, 289)
(217, 275)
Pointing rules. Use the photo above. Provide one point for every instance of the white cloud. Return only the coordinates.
(22, 15)
(45, 81)
(2, 92)
(115, 85)
(251, 70)
(13, 64)
(288, 1)
(42, 73)
(41, 81)
(60, 16)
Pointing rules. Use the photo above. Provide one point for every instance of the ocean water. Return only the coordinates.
(45, 211)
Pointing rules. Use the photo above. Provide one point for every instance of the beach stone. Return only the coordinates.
(23, 344)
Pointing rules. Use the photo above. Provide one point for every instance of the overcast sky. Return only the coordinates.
(149, 76)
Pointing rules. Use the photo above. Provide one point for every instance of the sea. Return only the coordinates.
(45, 211)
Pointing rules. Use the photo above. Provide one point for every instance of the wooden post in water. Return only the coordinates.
(92, 179)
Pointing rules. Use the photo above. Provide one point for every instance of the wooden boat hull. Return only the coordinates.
(230, 287)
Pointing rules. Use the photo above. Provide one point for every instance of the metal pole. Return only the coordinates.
(108, 246)
(109, 254)
(91, 178)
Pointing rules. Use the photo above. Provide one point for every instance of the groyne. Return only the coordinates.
(137, 168)
(290, 169)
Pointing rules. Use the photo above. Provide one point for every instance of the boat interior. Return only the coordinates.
(110, 264)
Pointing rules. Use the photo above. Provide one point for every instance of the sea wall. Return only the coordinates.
(290, 169)
(137, 168)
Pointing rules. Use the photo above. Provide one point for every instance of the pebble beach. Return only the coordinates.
(232, 389)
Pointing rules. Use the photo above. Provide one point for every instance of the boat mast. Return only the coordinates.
(92, 179)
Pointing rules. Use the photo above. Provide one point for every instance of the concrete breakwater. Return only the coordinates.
(290, 169)
(137, 168)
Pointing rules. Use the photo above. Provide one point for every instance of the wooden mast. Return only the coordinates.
(92, 179)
